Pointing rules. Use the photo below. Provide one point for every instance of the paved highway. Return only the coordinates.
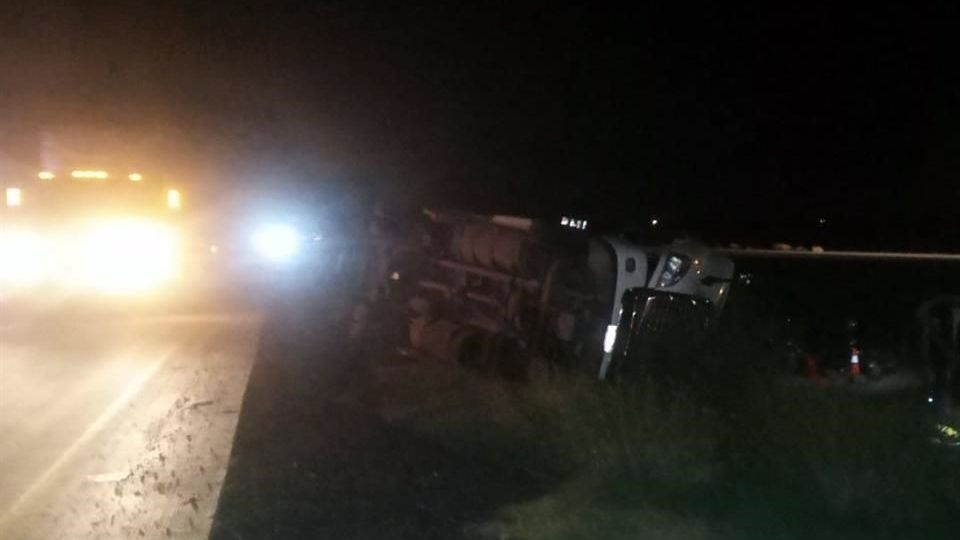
(118, 426)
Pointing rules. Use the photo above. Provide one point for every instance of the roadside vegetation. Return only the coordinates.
(708, 447)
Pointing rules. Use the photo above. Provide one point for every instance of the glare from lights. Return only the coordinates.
(95, 175)
(214, 249)
(173, 199)
(46, 175)
(135, 177)
(123, 256)
(654, 222)
(25, 258)
(822, 221)
(276, 243)
(127, 256)
(14, 197)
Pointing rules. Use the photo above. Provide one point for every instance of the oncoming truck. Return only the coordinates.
(88, 230)
(494, 291)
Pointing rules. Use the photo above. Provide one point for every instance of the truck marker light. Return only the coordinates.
(96, 175)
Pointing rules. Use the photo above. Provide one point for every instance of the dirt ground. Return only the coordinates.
(315, 455)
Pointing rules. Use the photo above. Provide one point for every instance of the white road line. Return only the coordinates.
(132, 389)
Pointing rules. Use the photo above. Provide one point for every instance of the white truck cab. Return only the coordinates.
(685, 267)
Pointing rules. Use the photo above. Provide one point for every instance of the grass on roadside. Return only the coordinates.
(673, 458)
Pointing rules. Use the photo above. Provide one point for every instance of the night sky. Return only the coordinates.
(732, 124)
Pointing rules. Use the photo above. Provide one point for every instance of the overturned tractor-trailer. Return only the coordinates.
(497, 291)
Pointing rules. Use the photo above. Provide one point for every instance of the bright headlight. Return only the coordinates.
(276, 242)
(25, 258)
(126, 255)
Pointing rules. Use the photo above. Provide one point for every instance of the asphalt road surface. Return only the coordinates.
(118, 426)
(223, 424)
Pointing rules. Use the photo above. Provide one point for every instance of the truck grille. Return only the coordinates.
(652, 319)
(651, 311)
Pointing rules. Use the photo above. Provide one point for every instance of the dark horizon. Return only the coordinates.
(724, 122)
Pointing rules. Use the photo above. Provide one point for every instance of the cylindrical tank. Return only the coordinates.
(497, 248)
(484, 241)
(463, 241)
(508, 251)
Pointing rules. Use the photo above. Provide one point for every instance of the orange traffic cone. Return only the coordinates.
(810, 367)
(855, 361)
